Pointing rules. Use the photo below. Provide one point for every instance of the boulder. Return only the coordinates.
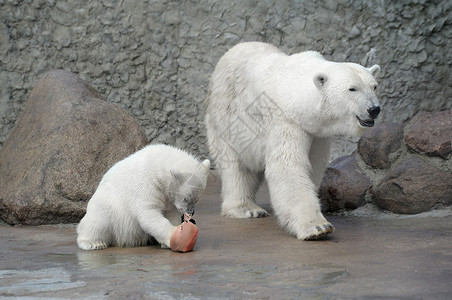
(376, 144)
(414, 186)
(344, 185)
(66, 139)
(430, 133)
(398, 179)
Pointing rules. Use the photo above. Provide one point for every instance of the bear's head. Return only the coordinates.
(348, 99)
(185, 189)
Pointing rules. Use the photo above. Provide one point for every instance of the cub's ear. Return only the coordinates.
(206, 164)
(374, 70)
(319, 80)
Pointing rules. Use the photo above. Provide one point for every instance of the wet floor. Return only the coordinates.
(366, 258)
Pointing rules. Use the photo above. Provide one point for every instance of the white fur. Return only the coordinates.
(143, 197)
(272, 114)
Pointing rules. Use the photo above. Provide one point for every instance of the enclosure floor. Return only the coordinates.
(365, 258)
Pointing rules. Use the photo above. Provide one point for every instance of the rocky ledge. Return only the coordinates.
(403, 169)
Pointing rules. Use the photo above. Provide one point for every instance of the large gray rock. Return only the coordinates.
(66, 139)
(430, 133)
(344, 185)
(376, 144)
(414, 186)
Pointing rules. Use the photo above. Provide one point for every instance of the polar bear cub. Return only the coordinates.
(272, 115)
(142, 197)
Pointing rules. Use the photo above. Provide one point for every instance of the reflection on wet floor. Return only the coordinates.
(23, 282)
(194, 280)
(197, 280)
(92, 260)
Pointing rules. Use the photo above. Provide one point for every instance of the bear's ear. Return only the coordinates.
(374, 70)
(320, 80)
(206, 164)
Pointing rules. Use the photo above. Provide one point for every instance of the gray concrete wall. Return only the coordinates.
(155, 57)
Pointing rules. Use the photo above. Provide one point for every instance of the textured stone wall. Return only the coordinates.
(154, 58)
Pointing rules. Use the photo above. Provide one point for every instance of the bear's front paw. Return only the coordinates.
(244, 211)
(314, 232)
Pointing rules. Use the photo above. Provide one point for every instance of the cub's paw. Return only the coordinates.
(91, 245)
(244, 211)
(314, 232)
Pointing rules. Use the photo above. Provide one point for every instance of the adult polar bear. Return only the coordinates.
(270, 114)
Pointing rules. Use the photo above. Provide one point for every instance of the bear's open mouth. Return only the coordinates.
(366, 123)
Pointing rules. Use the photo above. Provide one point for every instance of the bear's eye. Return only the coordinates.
(375, 87)
(352, 89)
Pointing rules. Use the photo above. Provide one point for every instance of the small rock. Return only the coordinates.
(430, 133)
(377, 143)
(414, 186)
(66, 139)
(344, 185)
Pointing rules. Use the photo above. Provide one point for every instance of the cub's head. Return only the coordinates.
(348, 95)
(185, 189)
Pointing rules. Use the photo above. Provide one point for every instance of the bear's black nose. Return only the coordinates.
(374, 111)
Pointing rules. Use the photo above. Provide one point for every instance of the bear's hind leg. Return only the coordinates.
(239, 187)
(91, 245)
(93, 235)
